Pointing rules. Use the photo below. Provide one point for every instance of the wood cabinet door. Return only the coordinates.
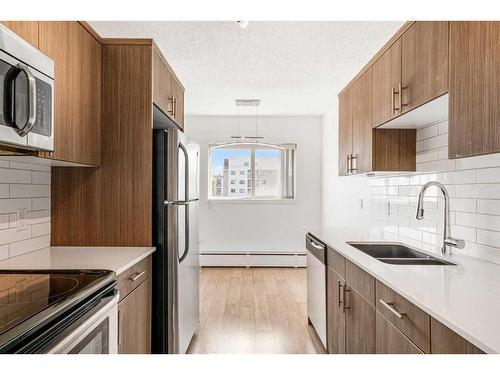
(345, 131)
(28, 30)
(335, 317)
(162, 84)
(178, 94)
(78, 63)
(362, 122)
(474, 95)
(445, 341)
(359, 324)
(391, 341)
(134, 321)
(386, 78)
(424, 68)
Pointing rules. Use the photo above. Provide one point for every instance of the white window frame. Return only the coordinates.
(288, 163)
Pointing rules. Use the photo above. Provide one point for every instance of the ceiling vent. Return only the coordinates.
(247, 102)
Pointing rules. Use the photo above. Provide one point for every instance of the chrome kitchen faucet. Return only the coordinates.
(447, 239)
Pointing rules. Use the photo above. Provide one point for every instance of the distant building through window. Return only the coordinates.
(266, 171)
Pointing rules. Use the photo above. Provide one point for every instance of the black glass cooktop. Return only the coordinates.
(25, 293)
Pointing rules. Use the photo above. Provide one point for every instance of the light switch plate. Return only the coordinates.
(22, 219)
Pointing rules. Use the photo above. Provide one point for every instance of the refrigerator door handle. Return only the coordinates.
(186, 207)
(186, 234)
(186, 170)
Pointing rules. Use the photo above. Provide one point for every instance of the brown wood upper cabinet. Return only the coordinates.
(387, 85)
(474, 101)
(424, 63)
(363, 149)
(412, 71)
(28, 30)
(168, 92)
(77, 56)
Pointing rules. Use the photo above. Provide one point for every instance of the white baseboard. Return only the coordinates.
(262, 258)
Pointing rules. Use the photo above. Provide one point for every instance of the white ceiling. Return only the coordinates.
(295, 68)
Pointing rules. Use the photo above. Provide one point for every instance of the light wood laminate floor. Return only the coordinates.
(254, 310)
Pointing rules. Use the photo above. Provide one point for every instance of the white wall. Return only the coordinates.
(340, 195)
(260, 226)
(24, 186)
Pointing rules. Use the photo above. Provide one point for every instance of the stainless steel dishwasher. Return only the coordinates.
(316, 286)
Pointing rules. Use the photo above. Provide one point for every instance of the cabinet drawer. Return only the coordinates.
(336, 261)
(391, 341)
(134, 276)
(361, 281)
(412, 321)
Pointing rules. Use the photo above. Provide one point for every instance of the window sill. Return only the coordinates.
(254, 201)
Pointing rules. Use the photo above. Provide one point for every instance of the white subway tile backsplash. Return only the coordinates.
(488, 175)
(4, 190)
(29, 191)
(427, 132)
(474, 188)
(37, 217)
(436, 142)
(11, 205)
(24, 186)
(40, 178)
(32, 244)
(4, 221)
(40, 229)
(12, 235)
(486, 191)
(488, 206)
(40, 204)
(458, 177)
(13, 176)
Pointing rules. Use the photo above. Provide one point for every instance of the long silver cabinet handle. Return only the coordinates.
(339, 286)
(349, 164)
(390, 306)
(136, 276)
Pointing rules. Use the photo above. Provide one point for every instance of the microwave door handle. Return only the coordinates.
(30, 123)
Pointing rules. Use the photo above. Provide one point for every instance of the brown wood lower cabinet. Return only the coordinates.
(365, 316)
(335, 314)
(390, 340)
(359, 323)
(445, 341)
(134, 321)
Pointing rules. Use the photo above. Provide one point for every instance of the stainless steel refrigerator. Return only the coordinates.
(175, 302)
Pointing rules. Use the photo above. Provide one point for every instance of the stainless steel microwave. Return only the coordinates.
(26, 94)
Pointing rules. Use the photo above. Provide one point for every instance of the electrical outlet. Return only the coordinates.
(22, 219)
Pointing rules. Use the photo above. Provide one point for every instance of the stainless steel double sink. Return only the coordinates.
(393, 253)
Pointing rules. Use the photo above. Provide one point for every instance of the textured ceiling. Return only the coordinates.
(295, 68)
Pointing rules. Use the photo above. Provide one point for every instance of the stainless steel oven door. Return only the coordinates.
(95, 333)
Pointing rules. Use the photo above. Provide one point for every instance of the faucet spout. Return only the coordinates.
(448, 241)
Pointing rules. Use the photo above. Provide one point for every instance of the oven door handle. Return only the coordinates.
(85, 323)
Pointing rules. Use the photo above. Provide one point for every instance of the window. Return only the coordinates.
(268, 171)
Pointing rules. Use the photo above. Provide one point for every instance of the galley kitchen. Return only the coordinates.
(249, 187)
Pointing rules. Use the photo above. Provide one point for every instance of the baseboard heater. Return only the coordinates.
(252, 259)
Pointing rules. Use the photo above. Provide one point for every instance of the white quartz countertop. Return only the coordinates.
(466, 297)
(116, 259)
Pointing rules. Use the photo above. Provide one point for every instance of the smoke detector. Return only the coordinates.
(247, 102)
